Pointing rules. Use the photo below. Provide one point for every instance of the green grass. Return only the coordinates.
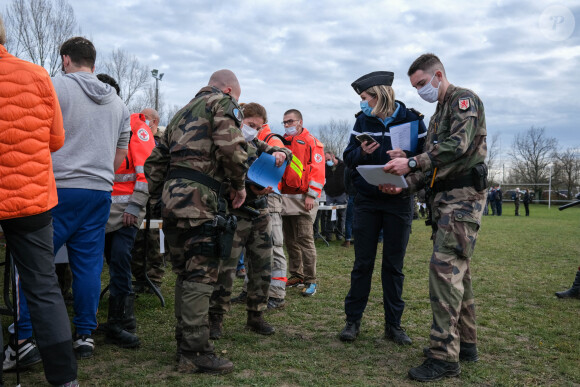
(526, 335)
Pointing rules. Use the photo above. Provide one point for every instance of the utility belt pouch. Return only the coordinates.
(479, 173)
(260, 203)
(225, 228)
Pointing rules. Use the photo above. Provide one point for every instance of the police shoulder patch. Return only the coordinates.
(143, 134)
(463, 103)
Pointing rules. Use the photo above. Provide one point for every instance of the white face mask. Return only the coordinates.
(249, 133)
(428, 92)
(330, 163)
(291, 131)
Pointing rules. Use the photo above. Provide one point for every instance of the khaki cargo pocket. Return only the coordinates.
(462, 234)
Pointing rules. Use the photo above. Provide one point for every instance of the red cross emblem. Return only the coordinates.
(464, 103)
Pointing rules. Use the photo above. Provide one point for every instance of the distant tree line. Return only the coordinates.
(37, 28)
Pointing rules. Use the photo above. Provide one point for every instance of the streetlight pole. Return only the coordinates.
(550, 188)
(155, 74)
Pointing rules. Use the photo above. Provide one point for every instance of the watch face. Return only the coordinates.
(412, 163)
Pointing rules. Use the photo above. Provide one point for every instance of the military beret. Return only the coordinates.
(373, 79)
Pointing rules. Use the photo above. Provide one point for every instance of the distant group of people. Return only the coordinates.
(494, 200)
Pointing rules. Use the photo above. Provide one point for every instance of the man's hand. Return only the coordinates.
(369, 147)
(390, 189)
(260, 192)
(280, 157)
(309, 203)
(397, 166)
(237, 197)
(129, 219)
(396, 153)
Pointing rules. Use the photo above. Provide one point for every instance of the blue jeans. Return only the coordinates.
(79, 220)
(349, 218)
(118, 246)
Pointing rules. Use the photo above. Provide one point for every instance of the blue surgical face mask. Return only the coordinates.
(428, 92)
(366, 109)
(330, 163)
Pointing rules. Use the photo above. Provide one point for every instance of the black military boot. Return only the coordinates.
(129, 320)
(350, 331)
(257, 324)
(204, 362)
(397, 334)
(574, 291)
(433, 369)
(241, 298)
(116, 334)
(215, 326)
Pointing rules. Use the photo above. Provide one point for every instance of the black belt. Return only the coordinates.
(448, 185)
(193, 175)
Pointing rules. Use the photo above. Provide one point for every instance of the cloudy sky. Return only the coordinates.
(521, 57)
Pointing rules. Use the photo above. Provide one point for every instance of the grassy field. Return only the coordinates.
(527, 336)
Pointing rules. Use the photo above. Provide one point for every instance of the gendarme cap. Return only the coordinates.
(373, 79)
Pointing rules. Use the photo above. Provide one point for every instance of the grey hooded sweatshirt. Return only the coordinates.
(96, 122)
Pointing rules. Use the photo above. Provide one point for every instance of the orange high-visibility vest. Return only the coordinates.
(305, 172)
(130, 176)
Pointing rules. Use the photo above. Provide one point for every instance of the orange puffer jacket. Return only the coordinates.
(30, 129)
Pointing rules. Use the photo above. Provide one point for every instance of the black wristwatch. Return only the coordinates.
(412, 163)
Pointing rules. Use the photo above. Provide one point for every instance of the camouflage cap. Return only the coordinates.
(373, 79)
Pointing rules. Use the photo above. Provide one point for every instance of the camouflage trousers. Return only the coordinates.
(279, 279)
(256, 236)
(450, 290)
(196, 276)
(155, 260)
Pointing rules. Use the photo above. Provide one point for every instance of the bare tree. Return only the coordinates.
(566, 169)
(335, 135)
(131, 75)
(531, 154)
(37, 28)
(492, 161)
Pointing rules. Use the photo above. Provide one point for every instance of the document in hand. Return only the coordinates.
(404, 136)
(374, 174)
(264, 172)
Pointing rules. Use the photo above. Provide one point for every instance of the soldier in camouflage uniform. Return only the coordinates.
(254, 232)
(202, 145)
(452, 167)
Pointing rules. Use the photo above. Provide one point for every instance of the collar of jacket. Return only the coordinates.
(401, 116)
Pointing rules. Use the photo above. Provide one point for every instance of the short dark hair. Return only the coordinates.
(295, 111)
(253, 109)
(80, 50)
(426, 63)
(109, 80)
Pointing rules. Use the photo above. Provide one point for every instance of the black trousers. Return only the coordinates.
(394, 217)
(30, 242)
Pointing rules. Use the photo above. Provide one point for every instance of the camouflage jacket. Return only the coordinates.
(456, 141)
(204, 136)
(255, 148)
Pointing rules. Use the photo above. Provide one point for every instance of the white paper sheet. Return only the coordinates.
(401, 136)
(374, 174)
